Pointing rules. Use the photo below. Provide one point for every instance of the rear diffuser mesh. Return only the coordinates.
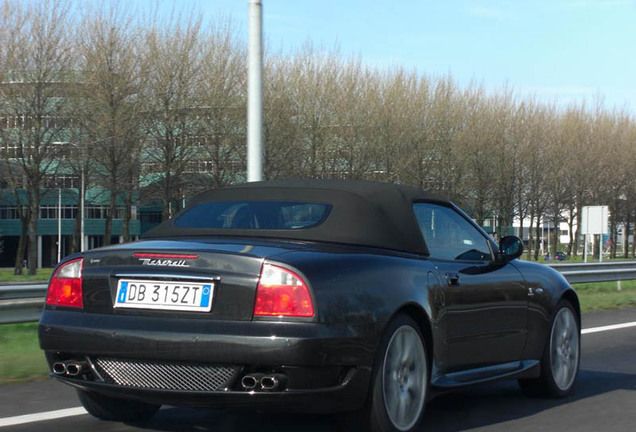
(165, 375)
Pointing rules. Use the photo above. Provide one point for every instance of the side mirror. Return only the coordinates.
(510, 247)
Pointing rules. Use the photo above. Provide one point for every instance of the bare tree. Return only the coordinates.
(37, 78)
(110, 108)
(172, 100)
(281, 131)
(475, 145)
(311, 94)
(221, 119)
(398, 120)
(348, 153)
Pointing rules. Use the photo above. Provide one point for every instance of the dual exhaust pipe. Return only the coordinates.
(263, 382)
(250, 382)
(69, 368)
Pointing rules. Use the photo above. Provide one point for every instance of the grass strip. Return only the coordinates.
(21, 359)
(43, 275)
(605, 295)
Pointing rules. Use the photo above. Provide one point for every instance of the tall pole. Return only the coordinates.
(255, 93)
(586, 224)
(59, 225)
(600, 239)
(82, 193)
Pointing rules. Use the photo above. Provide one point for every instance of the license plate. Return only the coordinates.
(149, 294)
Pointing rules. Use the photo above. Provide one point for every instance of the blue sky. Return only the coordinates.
(568, 50)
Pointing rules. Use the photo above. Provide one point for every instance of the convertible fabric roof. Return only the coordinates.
(363, 213)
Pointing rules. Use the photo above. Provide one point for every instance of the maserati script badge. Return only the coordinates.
(164, 262)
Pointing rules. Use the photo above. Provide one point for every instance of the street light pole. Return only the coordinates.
(82, 193)
(255, 93)
(59, 225)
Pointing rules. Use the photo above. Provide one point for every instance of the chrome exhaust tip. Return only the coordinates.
(273, 382)
(59, 368)
(75, 368)
(251, 382)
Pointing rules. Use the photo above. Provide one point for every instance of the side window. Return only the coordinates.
(448, 235)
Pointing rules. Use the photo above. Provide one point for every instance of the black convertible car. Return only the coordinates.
(322, 296)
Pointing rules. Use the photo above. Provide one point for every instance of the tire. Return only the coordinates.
(114, 409)
(561, 356)
(399, 383)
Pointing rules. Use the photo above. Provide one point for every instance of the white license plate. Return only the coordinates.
(149, 294)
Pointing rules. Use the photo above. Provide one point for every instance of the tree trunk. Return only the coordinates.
(613, 230)
(598, 247)
(556, 231)
(125, 230)
(531, 236)
(579, 221)
(633, 235)
(108, 231)
(614, 241)
(33, 235)
(571, 230)
(77, 231)
(19, 256)
(626, 238)
(167, 197)
(537, 233)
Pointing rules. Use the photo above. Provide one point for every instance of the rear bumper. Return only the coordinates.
(329, 366)
(347, 396)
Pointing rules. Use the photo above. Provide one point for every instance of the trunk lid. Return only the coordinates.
(233, 267)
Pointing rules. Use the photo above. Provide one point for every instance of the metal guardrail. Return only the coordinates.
(23, 302)
(597, 272)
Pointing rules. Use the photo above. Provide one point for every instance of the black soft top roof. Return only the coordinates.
(363, 213)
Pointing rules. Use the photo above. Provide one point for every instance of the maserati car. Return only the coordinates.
(360, 298)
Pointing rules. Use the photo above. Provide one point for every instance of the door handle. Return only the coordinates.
(453, 279)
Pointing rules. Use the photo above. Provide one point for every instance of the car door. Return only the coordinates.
(480, 304)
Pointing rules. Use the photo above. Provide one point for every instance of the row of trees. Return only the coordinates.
(158, 107)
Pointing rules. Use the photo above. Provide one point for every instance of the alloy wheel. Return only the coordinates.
(564, 349)
(404, 378)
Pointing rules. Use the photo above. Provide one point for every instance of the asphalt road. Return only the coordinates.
(604, 400)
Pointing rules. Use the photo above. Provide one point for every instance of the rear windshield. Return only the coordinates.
(254, 215)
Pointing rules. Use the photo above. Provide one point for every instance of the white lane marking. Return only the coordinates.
(50, 415)
(609, 327)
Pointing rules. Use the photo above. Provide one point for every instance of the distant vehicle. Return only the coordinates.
(560, 256)
(325, 296)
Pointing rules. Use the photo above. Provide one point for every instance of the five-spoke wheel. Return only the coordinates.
(564, 349)
(400, 381)
(404, 378)
(560, 361)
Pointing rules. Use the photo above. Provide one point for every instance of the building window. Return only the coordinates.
(7, 212)
(150, 217)
(50, 212)
(96, 212)
(62, 181)
(101, 212)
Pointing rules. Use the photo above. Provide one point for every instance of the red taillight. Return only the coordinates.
(65, 288)
(281, 292)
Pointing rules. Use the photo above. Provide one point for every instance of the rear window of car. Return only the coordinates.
(254, 215)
